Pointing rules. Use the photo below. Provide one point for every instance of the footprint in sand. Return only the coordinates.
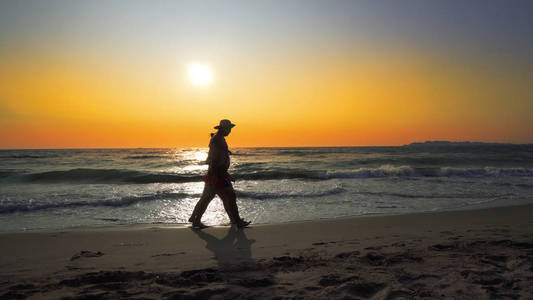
(86, 254)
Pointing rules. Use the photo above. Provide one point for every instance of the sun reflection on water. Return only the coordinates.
(198, 154)
(189, 160)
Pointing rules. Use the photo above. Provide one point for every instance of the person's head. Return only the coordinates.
(225, 127)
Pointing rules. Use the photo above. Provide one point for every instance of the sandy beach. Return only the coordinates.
(478, 254)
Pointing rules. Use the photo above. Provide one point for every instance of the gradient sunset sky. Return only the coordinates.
(289, 73)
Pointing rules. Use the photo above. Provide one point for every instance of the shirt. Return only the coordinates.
(218, 157)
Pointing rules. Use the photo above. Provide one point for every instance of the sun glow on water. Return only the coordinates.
(187, 161)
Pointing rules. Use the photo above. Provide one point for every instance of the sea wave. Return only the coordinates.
(144, 157)
(130, 200)
(266, 196)
(84, 175)
(433, 196)
(25, 156)
(119, 202)
(239, 153)
(433, 160)
(109, 176)
(408, 171)
(8, 173)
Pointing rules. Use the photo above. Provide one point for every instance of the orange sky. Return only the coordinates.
(304, 93)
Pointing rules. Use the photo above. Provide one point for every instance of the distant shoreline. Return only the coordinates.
(465, 143)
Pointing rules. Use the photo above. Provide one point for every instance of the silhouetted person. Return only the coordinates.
(217, 180)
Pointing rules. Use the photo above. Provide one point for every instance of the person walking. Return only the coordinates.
(218, 180)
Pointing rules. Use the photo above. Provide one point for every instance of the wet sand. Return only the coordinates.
(479, 254)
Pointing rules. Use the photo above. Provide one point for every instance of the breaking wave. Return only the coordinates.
(130, 200)
(82, 175)
(108, 176)
(266, 196)
(124, 201)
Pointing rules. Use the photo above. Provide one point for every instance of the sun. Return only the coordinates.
(200, 74)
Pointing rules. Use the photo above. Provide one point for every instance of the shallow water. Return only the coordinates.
(54, 189)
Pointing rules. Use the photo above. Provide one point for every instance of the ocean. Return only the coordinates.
(80, 188)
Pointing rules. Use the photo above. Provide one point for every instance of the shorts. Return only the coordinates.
(221, 182)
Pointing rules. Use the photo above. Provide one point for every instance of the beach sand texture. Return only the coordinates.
(479, 254)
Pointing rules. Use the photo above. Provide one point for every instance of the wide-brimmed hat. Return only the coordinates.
(225, 124)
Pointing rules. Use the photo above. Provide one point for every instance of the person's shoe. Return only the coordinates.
(243, 223)
(199, 225)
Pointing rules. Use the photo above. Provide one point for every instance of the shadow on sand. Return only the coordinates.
(230, 251)
(233, 253)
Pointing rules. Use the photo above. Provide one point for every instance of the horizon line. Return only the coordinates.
(344, 146)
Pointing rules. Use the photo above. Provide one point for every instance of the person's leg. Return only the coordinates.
(229, 199)
(227, 195)
(207, 195)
